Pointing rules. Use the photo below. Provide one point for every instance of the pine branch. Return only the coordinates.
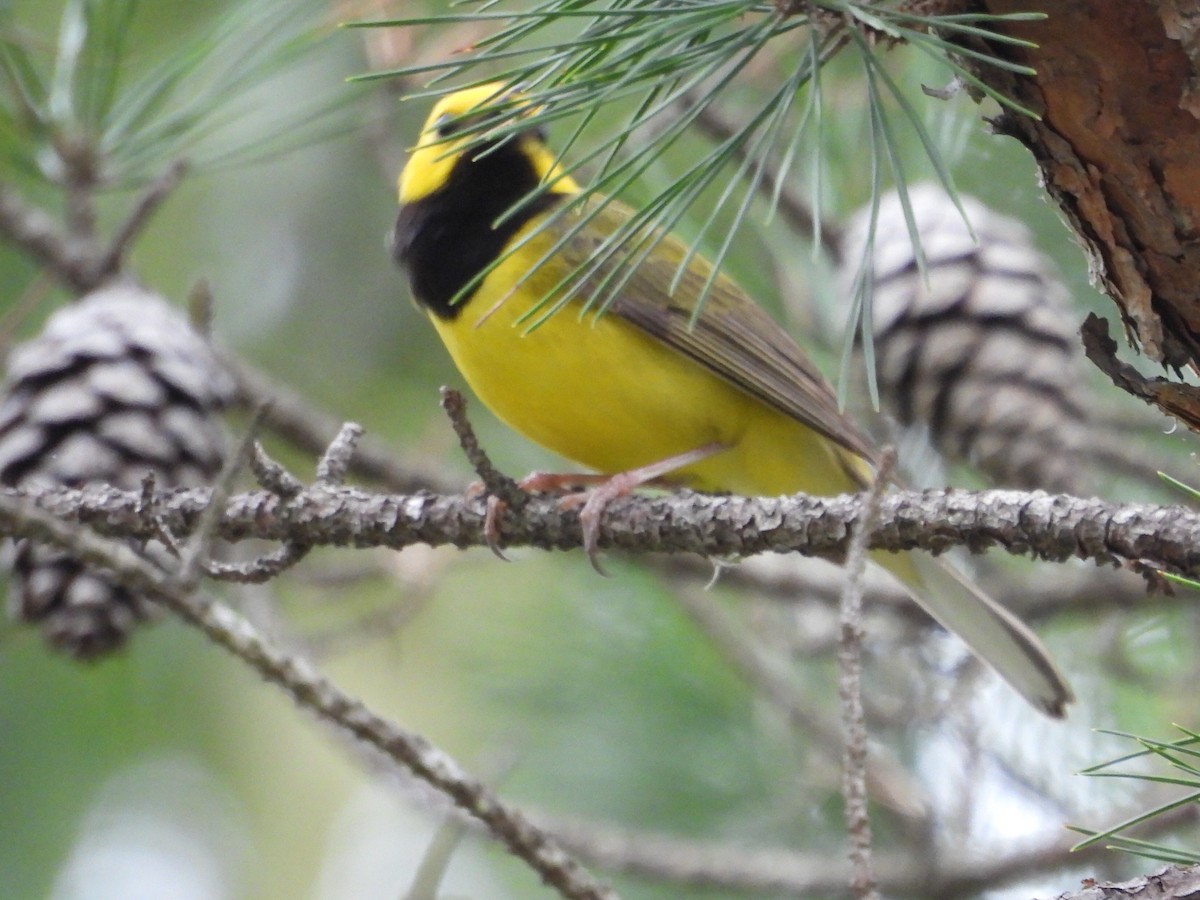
(73, 260)
(777, 870)
(1047, 527)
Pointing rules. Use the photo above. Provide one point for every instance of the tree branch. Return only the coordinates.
(1044, 526)
(850, 696)
(775, 870)
(1172, 883)
(1117, 140)
(72, 260)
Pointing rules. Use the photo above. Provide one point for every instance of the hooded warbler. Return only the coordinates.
(727, 397)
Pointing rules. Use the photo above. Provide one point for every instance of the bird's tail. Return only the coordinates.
(991, 632)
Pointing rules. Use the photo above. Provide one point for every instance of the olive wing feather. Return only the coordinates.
(732, 336)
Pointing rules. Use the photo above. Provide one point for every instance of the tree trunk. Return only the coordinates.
(1118, 142)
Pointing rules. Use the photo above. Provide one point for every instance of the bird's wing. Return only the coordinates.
(732, 336)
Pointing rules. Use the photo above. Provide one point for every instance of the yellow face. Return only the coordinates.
(444, 138)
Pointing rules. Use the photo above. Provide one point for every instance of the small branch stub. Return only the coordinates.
(1179, 400)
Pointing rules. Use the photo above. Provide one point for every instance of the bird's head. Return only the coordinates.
(457, 134)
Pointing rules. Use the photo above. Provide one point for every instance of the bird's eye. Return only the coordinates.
(448, 125)
(451, 124)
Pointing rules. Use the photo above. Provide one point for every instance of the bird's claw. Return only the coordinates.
(491, 525)
(594, 502)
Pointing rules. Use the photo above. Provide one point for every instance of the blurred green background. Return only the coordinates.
(168, 771)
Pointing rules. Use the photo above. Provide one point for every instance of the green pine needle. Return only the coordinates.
(137, 116)
(621, 69)
(1181, 755)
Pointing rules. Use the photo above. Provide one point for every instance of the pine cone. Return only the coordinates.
(117, 386)
(986, 354)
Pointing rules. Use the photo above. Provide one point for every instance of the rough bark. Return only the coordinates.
(1118, 144)
(1169, 884)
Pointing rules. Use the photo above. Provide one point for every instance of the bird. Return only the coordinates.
(717, 398)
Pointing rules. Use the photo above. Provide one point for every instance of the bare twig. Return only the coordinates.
(71, 260)
(497, 484)
(854, 757)
(335, 461)
(147, 506)
(776, 870)
(294, 418)
(273, 476)
(80, 177)
(260, 570)
(144, 208)
(331, 472)
(713, 864)
(195, 553)
(1171, 397)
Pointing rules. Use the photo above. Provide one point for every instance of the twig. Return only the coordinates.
(854, 757)
(1171, 397)
(497, 484)
(75, 256)
(71, 260)
(503, 493)
(79, 179)
(335, 461)
(776, 870)
(143, 208)
(273, 476)
(312, 691)
(259, 570)
(195, 552)
(147, 504)
(711, 864)
(294, 418)
(331, 472)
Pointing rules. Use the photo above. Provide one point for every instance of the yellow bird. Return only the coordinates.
(723, 402)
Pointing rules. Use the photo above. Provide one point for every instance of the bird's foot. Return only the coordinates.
(594, 501)
(591, 494)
